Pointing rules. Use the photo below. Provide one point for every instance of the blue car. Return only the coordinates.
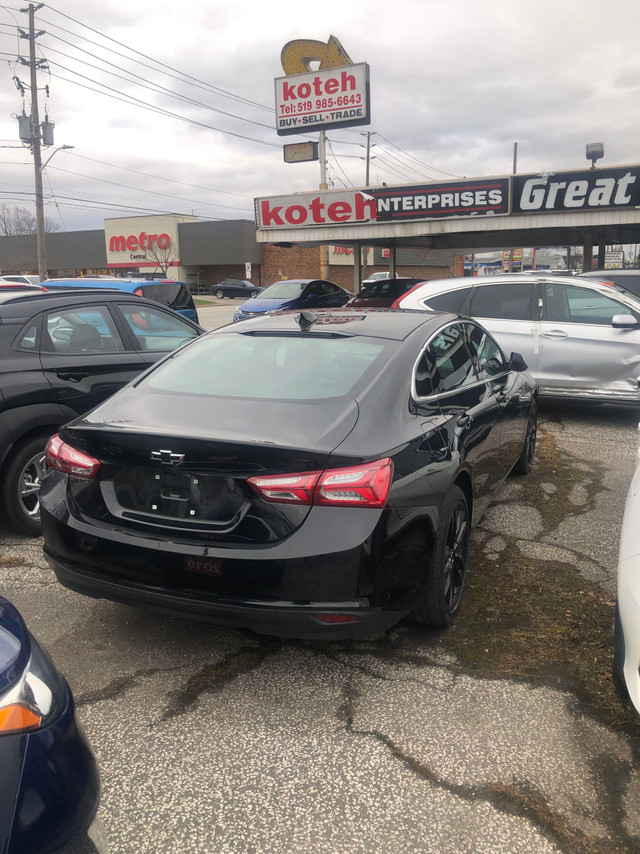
(49, 783)
(175, 295)
(294, 294)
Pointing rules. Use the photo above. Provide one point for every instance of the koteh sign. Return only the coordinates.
(333, 97)
(385, 204)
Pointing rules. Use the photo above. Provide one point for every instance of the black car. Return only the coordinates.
(62, 353)
(235, 288)
(305, 475)
(382, 293)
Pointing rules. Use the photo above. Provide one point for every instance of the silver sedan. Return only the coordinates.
(580, 338)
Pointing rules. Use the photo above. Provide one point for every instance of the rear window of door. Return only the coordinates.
(156, 330)
(570, 304)
(445, 364)
(511, 301)
(88, 329)
(450, 301)
(489, 357)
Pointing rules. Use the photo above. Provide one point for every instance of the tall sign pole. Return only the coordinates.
(324, 249)
(335, 95)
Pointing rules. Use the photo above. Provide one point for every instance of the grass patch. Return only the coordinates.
(541, 620)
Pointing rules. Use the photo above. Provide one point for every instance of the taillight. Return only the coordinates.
(358, 486)
(365, 485)
(286, 488)
(62, 457)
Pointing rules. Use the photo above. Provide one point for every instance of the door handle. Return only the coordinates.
(72, 376)
(556, 334)
(464, 420)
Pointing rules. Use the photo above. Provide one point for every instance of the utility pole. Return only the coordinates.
(36, 141)
(322, 155)
(363, 251)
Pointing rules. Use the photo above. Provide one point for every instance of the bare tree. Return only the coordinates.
(21, 221)
(162, 256)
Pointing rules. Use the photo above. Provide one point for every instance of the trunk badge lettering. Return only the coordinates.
(166, 457)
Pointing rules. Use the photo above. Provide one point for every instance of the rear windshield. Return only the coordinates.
(292, 367)
(175, 295)
(386, 288)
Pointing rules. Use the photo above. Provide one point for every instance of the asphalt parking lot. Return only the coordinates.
(502, 734)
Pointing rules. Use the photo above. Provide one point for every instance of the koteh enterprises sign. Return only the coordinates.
(399, 204)
(587, 189)
(333, 97)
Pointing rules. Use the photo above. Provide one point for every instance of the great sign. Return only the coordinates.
(333, 97)
(588, 189)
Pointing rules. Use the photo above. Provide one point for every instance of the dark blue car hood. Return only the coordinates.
(15, 647)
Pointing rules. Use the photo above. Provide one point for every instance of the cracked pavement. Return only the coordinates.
(215, 740)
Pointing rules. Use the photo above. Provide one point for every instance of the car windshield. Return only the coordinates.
(271, 366)
(283, 290)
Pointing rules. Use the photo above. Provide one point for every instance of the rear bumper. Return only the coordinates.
(283, 619)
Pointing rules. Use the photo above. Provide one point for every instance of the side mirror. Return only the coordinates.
(311, 296)
(624, 321)
(517, 363)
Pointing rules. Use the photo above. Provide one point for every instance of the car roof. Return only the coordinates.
(439, 286)
(373, 323)
(126, 285)
(602, 274)
(72, 296)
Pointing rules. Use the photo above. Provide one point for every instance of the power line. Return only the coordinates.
(159, 110)
(223, 92)
(147, 84)
(412, 157)
(159, 177)
(141, 190)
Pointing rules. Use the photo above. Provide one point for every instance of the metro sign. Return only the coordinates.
(138, 242)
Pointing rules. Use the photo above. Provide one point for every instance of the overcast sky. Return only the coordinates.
(454, 83)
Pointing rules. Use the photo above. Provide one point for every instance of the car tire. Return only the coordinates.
(617, 676)
(219, 294)
(447, 568)
(20, 485)
(525, 460)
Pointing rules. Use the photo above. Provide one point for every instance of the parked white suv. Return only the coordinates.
(579, 337)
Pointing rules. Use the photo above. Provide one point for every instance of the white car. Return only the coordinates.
(21, 280)
(580, 338)
(626, 656)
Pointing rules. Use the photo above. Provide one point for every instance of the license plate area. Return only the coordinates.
(204, 566)
(183, 500)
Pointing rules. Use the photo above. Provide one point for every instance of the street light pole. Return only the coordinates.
(37, 151)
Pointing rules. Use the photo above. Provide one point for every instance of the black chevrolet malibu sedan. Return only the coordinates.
(309, 475)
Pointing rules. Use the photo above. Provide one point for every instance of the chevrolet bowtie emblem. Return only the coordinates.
(167, 457)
